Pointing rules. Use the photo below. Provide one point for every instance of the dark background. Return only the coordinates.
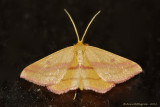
(33, 29)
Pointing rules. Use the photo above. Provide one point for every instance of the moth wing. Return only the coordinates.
(111, 67)
(50, 69)
(91, 80)
(70, 81)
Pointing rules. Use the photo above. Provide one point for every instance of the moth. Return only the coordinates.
(80, 66)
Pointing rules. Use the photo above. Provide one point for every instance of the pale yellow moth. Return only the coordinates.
(80, 66)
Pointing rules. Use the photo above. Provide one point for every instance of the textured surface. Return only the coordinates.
(33, 29)
(51, 69)
(74, 67)
(111, 67)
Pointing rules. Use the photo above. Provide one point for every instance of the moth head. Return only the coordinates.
(79, 48)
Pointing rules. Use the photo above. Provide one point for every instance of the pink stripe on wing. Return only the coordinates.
(108, 65)
(100, 90)
(82, 67)
(61, 91)
(54, 67)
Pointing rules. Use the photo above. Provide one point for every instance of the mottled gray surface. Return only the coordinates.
(32, 29)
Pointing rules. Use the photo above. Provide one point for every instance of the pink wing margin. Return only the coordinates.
(50, 69)
(111, 67)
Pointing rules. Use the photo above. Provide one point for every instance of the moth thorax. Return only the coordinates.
(80, 57)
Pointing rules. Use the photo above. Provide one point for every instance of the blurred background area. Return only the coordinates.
(33, 29)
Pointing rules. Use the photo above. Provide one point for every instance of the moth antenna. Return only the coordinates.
(89, 25)
(72, 23)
